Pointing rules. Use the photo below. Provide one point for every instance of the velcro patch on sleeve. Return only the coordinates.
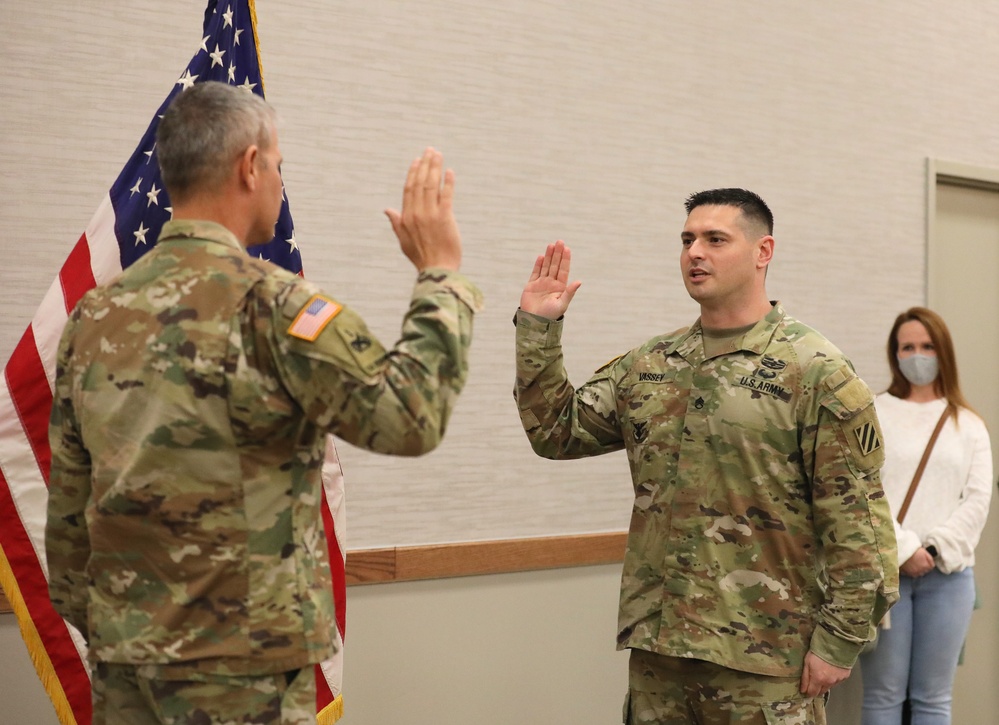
(848, 400)
(311, 319)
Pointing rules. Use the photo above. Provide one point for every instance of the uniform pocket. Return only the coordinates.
(795, 712)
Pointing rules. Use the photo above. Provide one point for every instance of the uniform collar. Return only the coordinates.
(176, 230)
(690, 345)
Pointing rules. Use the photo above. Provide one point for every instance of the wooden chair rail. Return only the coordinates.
(438, 561)
(441, 561)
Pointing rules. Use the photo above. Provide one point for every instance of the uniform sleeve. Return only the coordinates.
(561, 422)
(852, 518)
(957, 537)
(395, 401)
(67, 543)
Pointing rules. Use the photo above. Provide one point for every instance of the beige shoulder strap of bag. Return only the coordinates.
(922, 465)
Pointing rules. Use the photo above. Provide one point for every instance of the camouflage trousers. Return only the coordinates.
(122, 695)
(679, 691)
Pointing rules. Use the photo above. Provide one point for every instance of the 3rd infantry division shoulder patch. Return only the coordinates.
(867, 437)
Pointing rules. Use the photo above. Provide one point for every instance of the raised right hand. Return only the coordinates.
(548, 292)
(426, 227)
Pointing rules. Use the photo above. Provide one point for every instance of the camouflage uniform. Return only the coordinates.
(193, 396)
(759, 530)
(128, 695)
(680, 690)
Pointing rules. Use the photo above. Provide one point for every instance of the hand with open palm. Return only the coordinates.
(427, 231)
(548, 292)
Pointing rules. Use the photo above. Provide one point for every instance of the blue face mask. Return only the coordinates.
(919, 369)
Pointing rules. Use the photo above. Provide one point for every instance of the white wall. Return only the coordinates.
(22, 699)
(531, 647)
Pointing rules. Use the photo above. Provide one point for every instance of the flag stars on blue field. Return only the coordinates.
(140, 234)
(217, 56)
(187, 80)
(142, 204)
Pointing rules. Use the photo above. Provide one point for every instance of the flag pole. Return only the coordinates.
(256, 43)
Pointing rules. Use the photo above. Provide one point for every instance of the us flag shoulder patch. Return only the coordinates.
(867, 437)
(312, 318)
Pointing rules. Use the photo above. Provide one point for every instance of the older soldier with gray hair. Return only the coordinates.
(193, 398)
(761, 552)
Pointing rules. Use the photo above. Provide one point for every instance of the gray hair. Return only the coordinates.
(204, 130)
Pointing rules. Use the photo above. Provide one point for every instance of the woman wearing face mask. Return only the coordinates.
(919, 651)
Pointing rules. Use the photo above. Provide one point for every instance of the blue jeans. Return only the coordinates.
(919, 652)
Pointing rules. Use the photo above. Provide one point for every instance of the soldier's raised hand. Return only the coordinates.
(426, 227)
(548, 292)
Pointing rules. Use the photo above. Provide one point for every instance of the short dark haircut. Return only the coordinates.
(754, 209)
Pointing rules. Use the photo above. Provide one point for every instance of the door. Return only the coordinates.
(963, 286)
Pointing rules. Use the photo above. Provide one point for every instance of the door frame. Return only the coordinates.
(939, 171)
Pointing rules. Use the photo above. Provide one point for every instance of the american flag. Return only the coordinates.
(311, 321)
(125, 226)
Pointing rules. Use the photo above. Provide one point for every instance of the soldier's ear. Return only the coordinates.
(764, 251)
(247, 167)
